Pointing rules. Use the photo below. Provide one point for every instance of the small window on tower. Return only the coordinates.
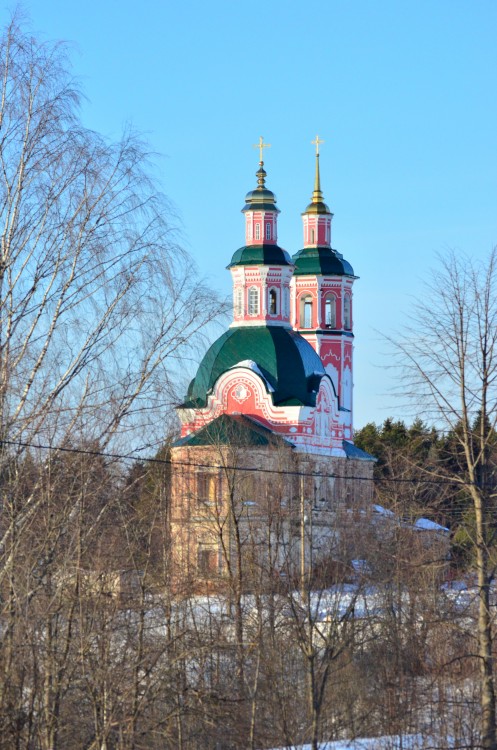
(306, 312)
(286, 301)
(313, 237)
(257, 231)
(239, 303)
(330, 312)
(273, 302)
(268, 231)
(346, 313)
(253, 301)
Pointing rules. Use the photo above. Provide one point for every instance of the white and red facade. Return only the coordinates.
(311, 295)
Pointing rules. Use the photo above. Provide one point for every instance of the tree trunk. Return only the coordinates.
(488, 715)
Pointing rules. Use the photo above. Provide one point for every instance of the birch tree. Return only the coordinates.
(99, 307)
(448, 361)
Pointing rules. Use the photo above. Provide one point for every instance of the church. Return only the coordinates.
(265, 470)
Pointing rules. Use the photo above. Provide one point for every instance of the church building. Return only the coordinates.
(266, 441)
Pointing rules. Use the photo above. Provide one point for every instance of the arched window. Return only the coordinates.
(306, 311)
(346, 313)
(257, 231)
(253, 301)
(239, 302)
(330, 318)
(273, 302)
(268, 231)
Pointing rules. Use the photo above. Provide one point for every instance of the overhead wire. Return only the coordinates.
(238, 467)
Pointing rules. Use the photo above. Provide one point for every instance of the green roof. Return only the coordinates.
(352, 451)
(285, 360)
(237, 430)
(322, 261)
(260, 255)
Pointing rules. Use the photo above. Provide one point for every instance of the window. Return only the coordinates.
(207, 561)
(346, 313)
(268, 231)
(249, 490)
(257, 231)
(286, 302)
(313, 237)
(206, 487)
(330, 312)
(273, 302)
(239, 302)
(306, 312)
(253, 301)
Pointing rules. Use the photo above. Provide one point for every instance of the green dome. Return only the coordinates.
(261, 198)
(287, 362)
(260, 255)
(321, 261)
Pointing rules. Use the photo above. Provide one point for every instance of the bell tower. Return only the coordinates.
(261, 270)
(321, 297)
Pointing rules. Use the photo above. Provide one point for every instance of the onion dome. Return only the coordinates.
(289, 366)
(260, 199)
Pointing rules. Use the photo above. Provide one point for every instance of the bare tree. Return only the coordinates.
(98, 309)
(95, 295)
(448, 359)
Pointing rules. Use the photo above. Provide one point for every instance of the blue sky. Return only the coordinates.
(403, 93)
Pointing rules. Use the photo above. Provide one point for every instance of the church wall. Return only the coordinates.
(229, 502)
(253, 511)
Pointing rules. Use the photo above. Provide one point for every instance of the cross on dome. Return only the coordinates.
(317, 142)
(261, 145)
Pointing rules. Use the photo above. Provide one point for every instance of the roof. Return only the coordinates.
(260, 255)
(317, 207)
(237, 430)
(260, 199)
(323, 261)
(290, 368)
(352, 451)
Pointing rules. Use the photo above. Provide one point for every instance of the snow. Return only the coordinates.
(424, 524)
(251, 365)
(383, 511)
(361, 566)
(388, 742)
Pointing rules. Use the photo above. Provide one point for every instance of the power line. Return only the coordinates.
(238, 467)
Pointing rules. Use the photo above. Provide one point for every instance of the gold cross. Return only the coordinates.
(261, 145)
(317, 143)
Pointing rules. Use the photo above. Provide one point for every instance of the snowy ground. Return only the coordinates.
(390, 742)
